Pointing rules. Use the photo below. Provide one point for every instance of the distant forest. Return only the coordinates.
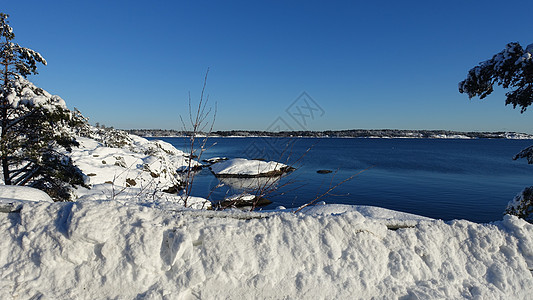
(352, 133)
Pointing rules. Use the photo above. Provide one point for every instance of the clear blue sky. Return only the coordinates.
(367, 64)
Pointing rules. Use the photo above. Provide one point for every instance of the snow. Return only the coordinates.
(113, 250)
(12, 197)
(241, 197)
(138, 171)
(115, 165)
(450, 136)
(241, 167)
(24, 93)
(385, 216)
(522, 204)
(517, 136)
(214, 160)
(503, 69)
(529, 49)
(13, 192)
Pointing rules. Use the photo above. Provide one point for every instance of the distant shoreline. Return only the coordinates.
(353, 133)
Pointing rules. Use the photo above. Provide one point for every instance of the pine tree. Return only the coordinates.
(512, 69)
(35, 126)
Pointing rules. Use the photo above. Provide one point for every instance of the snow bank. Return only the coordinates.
(105, 249)
(390, 218)
(241, 167)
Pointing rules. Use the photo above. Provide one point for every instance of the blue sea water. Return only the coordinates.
(438, 178)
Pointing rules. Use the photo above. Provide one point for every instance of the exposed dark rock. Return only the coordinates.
(173, 189)
(239, 202)
(324, 171)
(130, 182)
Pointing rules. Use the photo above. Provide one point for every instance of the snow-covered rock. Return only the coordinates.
(139, 170)
(241, 167)
(243, 200)
(214, 160)
(113, 250)
(12, 197)
(23, 193)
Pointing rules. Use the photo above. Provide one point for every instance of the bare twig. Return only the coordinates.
(270, 186)
(328, 192)
(198, 125)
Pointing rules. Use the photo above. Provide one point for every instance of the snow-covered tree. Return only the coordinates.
(512, 69)
(36, 127)
(522, 205)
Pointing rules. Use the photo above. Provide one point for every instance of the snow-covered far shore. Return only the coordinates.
(109, 249)
(351, 133)
(508, 136)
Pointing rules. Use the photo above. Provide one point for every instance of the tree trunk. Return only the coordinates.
(3, 123)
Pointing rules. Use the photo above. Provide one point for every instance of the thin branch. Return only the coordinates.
(24, 179)
(197, 126)
(331, 189)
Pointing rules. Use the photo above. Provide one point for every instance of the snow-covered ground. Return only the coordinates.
(138, 171)
(114, 250)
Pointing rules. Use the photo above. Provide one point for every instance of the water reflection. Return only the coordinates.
(251, 184)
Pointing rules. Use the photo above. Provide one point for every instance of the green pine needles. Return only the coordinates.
(36, 127)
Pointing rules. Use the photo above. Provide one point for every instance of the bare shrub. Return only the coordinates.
(198, 128)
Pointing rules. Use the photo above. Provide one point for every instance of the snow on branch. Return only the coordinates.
(510, 68)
